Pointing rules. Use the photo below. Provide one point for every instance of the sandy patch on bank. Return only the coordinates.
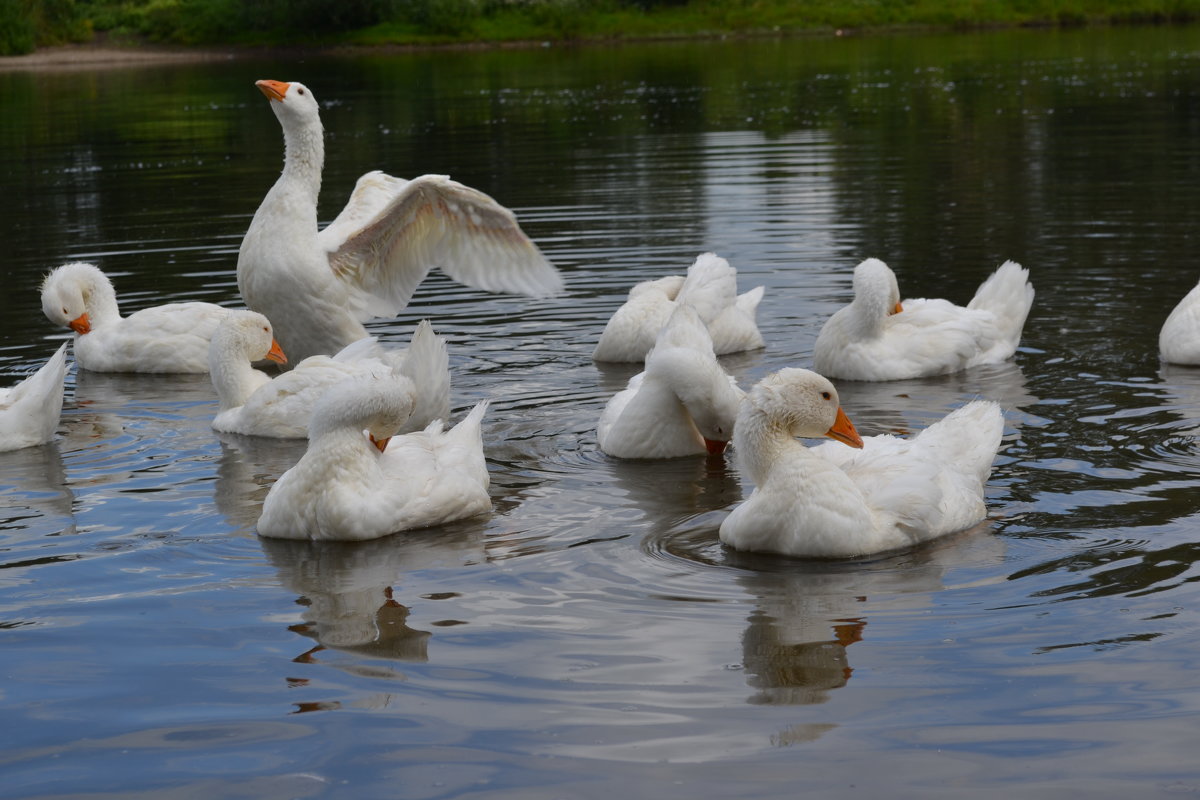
(91, 56)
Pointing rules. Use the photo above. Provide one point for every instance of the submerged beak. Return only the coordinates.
(274, 90)
(380, 444)
(276, 353)
(80, 324)
(843, 430)
(714, 447)
(898, 308)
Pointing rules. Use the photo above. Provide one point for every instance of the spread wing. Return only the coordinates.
(392, 232)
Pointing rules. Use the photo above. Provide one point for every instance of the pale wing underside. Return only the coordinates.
(393, 232)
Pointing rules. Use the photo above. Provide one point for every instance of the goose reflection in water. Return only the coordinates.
(811, 617)
(346, 588)
(248, 467)
(34, 495)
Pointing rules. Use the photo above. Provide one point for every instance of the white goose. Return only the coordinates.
(1179, 339)
(878, 338)
(30, 410)
(317, 287)
(353, 486)
(682, 404)
(253, 403)
(710, 287)
(167, 338)
(834, 502)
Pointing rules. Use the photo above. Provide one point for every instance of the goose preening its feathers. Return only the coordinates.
(167, 338)
(254, 403)
(351, 485)
(878, 338)
(30, 410)
(682, 404)
(710, 287)
(832, 501)
(317, 287)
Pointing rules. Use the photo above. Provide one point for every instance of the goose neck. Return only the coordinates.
(761, 441)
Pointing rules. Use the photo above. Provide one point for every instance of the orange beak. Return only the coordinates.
(380, 444)
(274, 90)
(714, 447)
(80, 324)
(898, 308)
(843, 430)
(276, 353)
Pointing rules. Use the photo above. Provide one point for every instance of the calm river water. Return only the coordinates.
(592, 638)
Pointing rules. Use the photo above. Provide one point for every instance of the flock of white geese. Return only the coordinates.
(381, 457)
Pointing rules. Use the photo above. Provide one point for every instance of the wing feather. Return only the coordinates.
(393, 232)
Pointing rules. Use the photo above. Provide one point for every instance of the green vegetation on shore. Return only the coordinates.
(27, 24)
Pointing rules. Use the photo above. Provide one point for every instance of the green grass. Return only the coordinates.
(26, 23)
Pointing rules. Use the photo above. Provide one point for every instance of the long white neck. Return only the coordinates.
(294, 195)
(304, 156)
(100, 299)
(232, 375)
(760, 441)
(867, 314)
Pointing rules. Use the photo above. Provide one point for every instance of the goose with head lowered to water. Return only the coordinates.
(167, 338)
(30, 410)
(318, 286)
(358, 480)
(682, 404)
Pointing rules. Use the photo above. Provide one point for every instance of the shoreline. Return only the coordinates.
(102, 54)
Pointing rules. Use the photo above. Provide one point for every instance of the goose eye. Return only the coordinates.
(65, 311)
(826, 395)
(299, 91)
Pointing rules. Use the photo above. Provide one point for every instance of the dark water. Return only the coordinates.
(592, 638)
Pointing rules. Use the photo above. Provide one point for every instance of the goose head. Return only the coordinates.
(245, 336)
(68, 292)
(377, 405)
(876, 292)
(803, 404)
(293, 103)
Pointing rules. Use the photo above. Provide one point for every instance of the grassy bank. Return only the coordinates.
(26, 24)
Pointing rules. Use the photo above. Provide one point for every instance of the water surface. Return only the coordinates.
(592, 637)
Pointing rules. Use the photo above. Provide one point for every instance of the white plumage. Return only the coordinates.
(1179, 339)
(318, 287)
(832, 501)
(710, 287)
(682, 404)
(254, 403)
(30, 410)
(345, 488)
(167, 338)
(876, 338)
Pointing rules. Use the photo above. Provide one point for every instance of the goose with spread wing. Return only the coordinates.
(318, 286)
